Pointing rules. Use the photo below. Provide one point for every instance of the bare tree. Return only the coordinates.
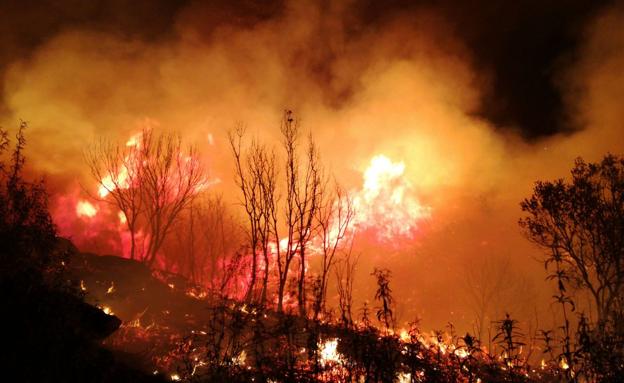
(150, 181)
(345, 275)
(115, 168)
(171, 177)
(256, 176)
(303, 193)
(221, 234)
(334, 217)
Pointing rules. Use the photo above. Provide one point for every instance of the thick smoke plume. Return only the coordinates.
(406, 87)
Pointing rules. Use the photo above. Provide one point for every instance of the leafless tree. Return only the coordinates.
(205, 239)
(256, 176)
(171, 177)
(303, 193)
(334, 217)
(115, 169)
(493, 287)
(345, 275)
(221, 240)
(150, 181)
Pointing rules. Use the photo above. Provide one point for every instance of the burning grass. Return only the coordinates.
(182, 332)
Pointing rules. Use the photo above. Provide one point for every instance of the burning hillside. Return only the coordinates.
(178, 331)
(350, 191)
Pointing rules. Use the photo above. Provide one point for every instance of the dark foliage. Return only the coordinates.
(51, 334)
(580, 225)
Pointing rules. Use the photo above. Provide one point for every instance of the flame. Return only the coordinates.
(387, 202)
(135, 140)
(563, 363)
(85, 209)
(240, 359)
(107, 310)
(405, 336)
(197, 293)
(461, 353)
(111, 289)
(122, 218)
(329, 352)
(112, 181)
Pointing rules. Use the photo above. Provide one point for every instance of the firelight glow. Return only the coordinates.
(85, 209)
(387, 202)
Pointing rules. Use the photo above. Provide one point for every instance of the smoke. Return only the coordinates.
(407, 87)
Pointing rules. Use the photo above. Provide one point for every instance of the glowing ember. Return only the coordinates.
(120, 178)
(111, 289)
(122, 218)
(405, 336)
(563, 363)
(135, 140)
(240, 359)
(461, 353)
(329, 352)
(85, 209)
(107, 310)
(386, 202)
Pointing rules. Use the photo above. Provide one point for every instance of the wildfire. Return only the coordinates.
(329, 352)
(107, 310)
(85, 209)
(120, 179)
(111, 289)
(563, 363)
(240, 359)
(386, 202)
(122, 218)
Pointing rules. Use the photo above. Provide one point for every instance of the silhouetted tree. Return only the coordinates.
(256, 176)
(384, 296)
(334, 218)
(151, 180)
(115, 168)
(47, 322)
(27, 233)
(303, 194)
(580, 223)
(345, 276)
(509, 338)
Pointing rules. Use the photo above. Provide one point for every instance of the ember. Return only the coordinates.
(311, 191)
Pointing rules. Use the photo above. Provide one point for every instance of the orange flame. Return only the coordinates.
(85, 209)
(387, 202)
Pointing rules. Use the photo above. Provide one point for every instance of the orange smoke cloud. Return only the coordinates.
(412, 99)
